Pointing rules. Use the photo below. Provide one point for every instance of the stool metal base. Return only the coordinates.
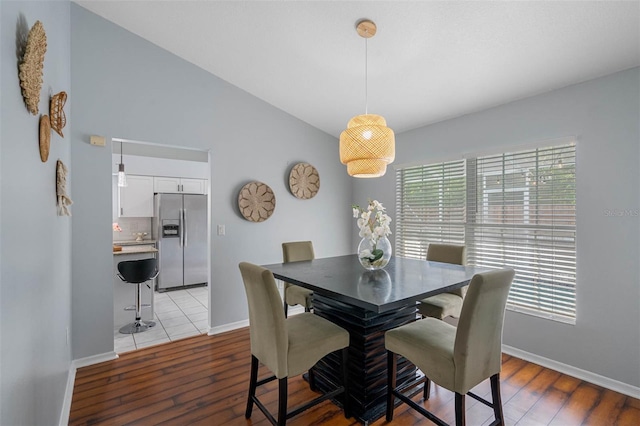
(137, 327)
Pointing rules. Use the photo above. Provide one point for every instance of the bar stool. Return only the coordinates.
(138, 272)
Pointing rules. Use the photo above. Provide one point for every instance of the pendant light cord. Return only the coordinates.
(366, 77)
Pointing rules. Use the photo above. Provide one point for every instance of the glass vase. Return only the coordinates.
(374, 255)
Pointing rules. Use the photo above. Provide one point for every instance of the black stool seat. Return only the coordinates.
(138, 272)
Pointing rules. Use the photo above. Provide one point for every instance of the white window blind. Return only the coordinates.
(518, 211)
(430, 207)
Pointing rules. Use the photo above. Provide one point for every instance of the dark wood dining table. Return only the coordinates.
(368, 303)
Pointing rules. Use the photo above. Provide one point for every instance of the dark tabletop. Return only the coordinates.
(401, 282)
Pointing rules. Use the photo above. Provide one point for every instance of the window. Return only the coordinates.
(430, 208)
(512, 210)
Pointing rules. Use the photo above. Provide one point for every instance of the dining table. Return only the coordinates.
(367, 303)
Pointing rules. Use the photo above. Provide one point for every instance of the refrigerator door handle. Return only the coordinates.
(181, 224)
(185, 233)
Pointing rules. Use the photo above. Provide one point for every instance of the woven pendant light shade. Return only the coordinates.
(367, 146)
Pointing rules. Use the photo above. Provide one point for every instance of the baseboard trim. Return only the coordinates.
(228, 327)
(588, 376)
(293, 310)
(68, 394)
(94, 359)
(71, 379)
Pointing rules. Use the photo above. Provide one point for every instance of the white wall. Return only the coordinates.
(126, 87)
(604, 114)
(35, 243)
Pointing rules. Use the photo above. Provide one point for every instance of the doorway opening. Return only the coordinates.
(163, 212)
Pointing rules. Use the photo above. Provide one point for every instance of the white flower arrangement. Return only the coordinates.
(373, 224)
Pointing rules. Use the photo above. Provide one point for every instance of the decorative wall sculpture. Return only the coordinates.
(304, 181)
(256, 201)
(63, 200)
(56, 112)
(45, 138)
(31, 67)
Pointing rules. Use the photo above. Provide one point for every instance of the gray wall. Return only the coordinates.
(35, 243)
(604, 115)
(126, 87)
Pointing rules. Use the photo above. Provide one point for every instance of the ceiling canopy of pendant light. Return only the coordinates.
(367, 146)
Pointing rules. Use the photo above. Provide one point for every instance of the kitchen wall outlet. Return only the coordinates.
(221, 230)
(97, 140)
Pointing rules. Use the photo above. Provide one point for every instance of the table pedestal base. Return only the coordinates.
(367, 355)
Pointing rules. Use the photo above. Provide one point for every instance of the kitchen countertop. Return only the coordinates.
(135, 249)
(133, 242)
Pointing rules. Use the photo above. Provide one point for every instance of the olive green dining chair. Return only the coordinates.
(444, 304)
(287, 346)
(456, 358)
(297, 251)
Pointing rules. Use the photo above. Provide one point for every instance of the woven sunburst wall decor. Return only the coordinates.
(304, 181)
(31, 67)
(256, 201)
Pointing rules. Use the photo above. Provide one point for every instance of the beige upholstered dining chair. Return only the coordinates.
(444, 304)
(295, 295)
(456, 358)
(288, 347)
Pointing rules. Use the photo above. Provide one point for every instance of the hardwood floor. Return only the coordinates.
(204, 380)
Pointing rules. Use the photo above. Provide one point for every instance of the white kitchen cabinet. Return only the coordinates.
(193, 186)
(166, 184)
(136, 199)
(179, 185)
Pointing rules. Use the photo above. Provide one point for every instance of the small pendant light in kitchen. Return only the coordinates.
(122, 178)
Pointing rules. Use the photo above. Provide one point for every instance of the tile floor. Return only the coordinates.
(178, 314)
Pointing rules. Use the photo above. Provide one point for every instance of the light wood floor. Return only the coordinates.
(203, 380)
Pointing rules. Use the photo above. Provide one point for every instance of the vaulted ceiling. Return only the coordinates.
(429, 61)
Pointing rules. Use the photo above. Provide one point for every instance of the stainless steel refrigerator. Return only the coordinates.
(180, 229)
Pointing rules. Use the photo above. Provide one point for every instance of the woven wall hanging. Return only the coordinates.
(256, 201)
(31, 67)
(45, 138)
(56, 112)
(62, 199)
(304, 181)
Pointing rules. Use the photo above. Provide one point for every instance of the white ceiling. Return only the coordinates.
(428, 62)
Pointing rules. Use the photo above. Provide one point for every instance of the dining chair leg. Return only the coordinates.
(497, 399)
(427, 388)
(312, 380)
(253, 380)
(460, 410)
(391, 383)
(282, 401)
(345, 382)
